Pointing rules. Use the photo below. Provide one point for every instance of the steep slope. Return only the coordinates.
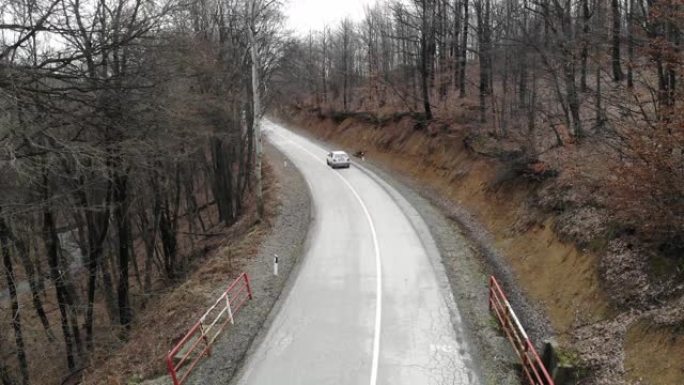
(603, 300)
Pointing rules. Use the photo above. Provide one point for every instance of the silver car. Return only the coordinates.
(337, 159)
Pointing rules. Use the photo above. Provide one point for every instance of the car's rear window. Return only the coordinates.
(339, 157)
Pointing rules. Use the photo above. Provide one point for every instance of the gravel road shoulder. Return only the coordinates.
(467, 263)
(287, 238)
(463, 252)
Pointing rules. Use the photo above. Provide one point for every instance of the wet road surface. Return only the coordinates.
(367, 305)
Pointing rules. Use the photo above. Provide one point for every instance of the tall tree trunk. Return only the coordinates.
(673, 63)
(97, 227)
(464, 51)
(222, 195)
(532, 115)
(256, 102)
(25, 258)
(586, 16)
(35, 298)
(345, 66)
(522, 81)
(71, 300)
(247, 157)
(167, 232)
(573, 99)
(108, 288)
(600, 117)
(52, 246)
(424, 65)
(34, 248)
(482, 53)
(630, 44)
(455, 42)
(149, 233)
(569, 72)
(615, 41)
(324, 61)
(123, 230)
(313, 89)
(16, 315)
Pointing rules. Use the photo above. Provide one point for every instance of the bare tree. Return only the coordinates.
(122, 135)
(16, 315)
(256, 103)
(615, 40)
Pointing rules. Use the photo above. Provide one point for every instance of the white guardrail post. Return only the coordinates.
(230, 311)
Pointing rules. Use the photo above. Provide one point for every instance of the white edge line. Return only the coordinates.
(378, 268)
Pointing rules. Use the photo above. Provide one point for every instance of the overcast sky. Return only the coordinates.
(305, 15)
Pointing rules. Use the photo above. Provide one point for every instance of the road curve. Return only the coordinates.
(367, 306)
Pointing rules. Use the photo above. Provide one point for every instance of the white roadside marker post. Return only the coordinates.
(230, 311)
(275, 264)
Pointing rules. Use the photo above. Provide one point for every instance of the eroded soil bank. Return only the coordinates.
(613, 344)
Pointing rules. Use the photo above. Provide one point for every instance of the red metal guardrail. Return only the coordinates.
(198, 340)
(532, 365)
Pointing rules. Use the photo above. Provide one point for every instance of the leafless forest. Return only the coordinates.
(544, 74)
(600, 62)
(588, 89)
(126, 137)
(576, 103)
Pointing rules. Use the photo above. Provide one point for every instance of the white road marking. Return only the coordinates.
(378, 267)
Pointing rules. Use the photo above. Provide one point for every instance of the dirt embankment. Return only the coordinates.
(585, 294)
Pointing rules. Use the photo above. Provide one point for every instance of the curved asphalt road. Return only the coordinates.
(367, 306)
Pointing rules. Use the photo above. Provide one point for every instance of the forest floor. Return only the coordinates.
(612, 345)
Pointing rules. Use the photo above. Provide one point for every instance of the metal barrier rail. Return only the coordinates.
(532, 365)
(198, 340)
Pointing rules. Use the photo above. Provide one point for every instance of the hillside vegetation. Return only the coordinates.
(558, 124)
(127, 156)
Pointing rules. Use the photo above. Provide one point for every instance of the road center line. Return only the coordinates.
(378, 267)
